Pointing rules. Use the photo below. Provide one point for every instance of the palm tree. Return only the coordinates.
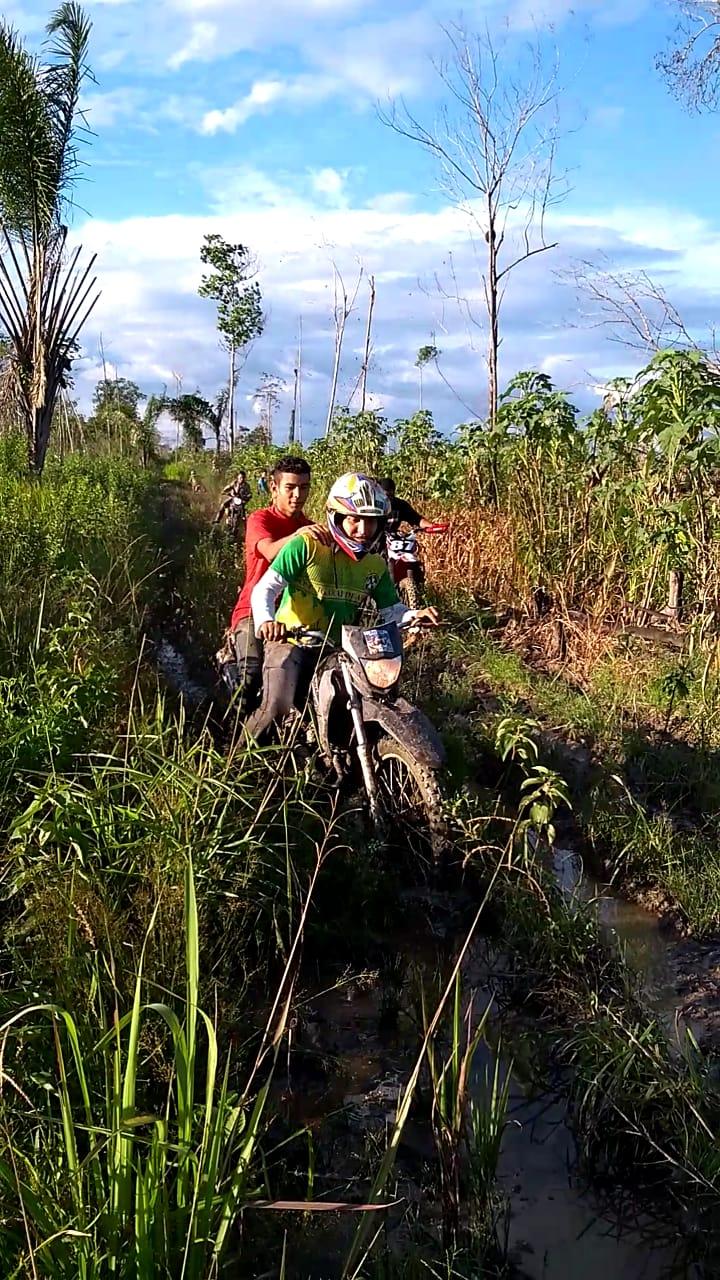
(46, 294)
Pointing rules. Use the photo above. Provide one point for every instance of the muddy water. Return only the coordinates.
(556, 1231)
(636, 932)
(556, 1228)
(173, 667)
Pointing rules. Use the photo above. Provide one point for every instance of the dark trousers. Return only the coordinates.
(287, 672)
(249, 658)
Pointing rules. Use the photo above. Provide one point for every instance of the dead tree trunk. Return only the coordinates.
(344, 307)
(492, 300)
(368, 336)
(231, 400)
(673, 609)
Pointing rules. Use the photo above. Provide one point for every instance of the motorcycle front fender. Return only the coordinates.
(409, 727)
(325, 690)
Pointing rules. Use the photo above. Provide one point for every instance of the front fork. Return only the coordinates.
(363, 746)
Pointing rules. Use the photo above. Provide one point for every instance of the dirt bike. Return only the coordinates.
(405, 565)
(369, 735)
(235, 516)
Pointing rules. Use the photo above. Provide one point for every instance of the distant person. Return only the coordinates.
(401, 512)
(262, 485)
(268, 531)
(237, 491)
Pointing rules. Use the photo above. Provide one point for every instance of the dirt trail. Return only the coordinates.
(181, 516)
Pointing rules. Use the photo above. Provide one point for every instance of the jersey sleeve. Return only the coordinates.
(293, 559)
(384, 593)
(284, 572)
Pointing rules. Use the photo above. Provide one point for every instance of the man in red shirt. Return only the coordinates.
(266, 533)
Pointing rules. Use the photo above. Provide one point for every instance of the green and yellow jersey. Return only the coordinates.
(321, 588)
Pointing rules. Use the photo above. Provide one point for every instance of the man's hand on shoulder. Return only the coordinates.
(272, 631)
(320, 533)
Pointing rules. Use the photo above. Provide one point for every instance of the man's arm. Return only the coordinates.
(393, 610)
(286, 570)
(258, 537)
(408, 515)
(270, 548)
(263, 603)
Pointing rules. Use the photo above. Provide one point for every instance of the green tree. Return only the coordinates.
(45, 294)
(145, 435)
(192, 413)
(115, 414)
(239, 305)
(426, 355)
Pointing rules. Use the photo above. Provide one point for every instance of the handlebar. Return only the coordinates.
(440, 526)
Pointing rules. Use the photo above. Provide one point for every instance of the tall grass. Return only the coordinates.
(110, 1177)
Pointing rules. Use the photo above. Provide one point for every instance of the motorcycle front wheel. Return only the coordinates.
(411, 801)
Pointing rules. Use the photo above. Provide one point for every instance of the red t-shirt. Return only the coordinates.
(267, 523)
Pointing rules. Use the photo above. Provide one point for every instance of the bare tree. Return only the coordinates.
(632, 307)
(368, 347)
(692, 67)
(344, 305)
(495, 141)
(267, 399)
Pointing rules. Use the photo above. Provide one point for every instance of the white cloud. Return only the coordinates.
(153, 322)
(330, 184)
(296, 92)
(200, 43)
(103, 110)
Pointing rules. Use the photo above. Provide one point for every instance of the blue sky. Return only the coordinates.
(259, 120)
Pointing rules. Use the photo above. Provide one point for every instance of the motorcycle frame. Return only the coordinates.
(399, 719)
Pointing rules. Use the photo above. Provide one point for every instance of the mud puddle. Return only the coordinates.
(668, 968)
(173, 667)
(556, 1227)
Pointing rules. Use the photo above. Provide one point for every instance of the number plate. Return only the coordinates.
(379, 643)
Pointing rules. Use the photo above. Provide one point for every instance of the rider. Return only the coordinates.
(267, 532)
(237, 489)
(400, 511)
(323, 586)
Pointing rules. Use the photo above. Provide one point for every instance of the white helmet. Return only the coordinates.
(356, 495)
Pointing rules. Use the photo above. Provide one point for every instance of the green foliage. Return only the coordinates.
(679, 403)
(111, 1181)
(239, 304)
(426, 355)
(532, 408)
(192, 412)
(38, 122)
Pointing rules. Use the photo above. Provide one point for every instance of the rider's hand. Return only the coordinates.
(428, 615)
(319, 532)
(272, 631)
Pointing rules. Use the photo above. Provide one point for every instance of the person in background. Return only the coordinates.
(401, 512)
(238, 489)
(268, 531)
(262, 484)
